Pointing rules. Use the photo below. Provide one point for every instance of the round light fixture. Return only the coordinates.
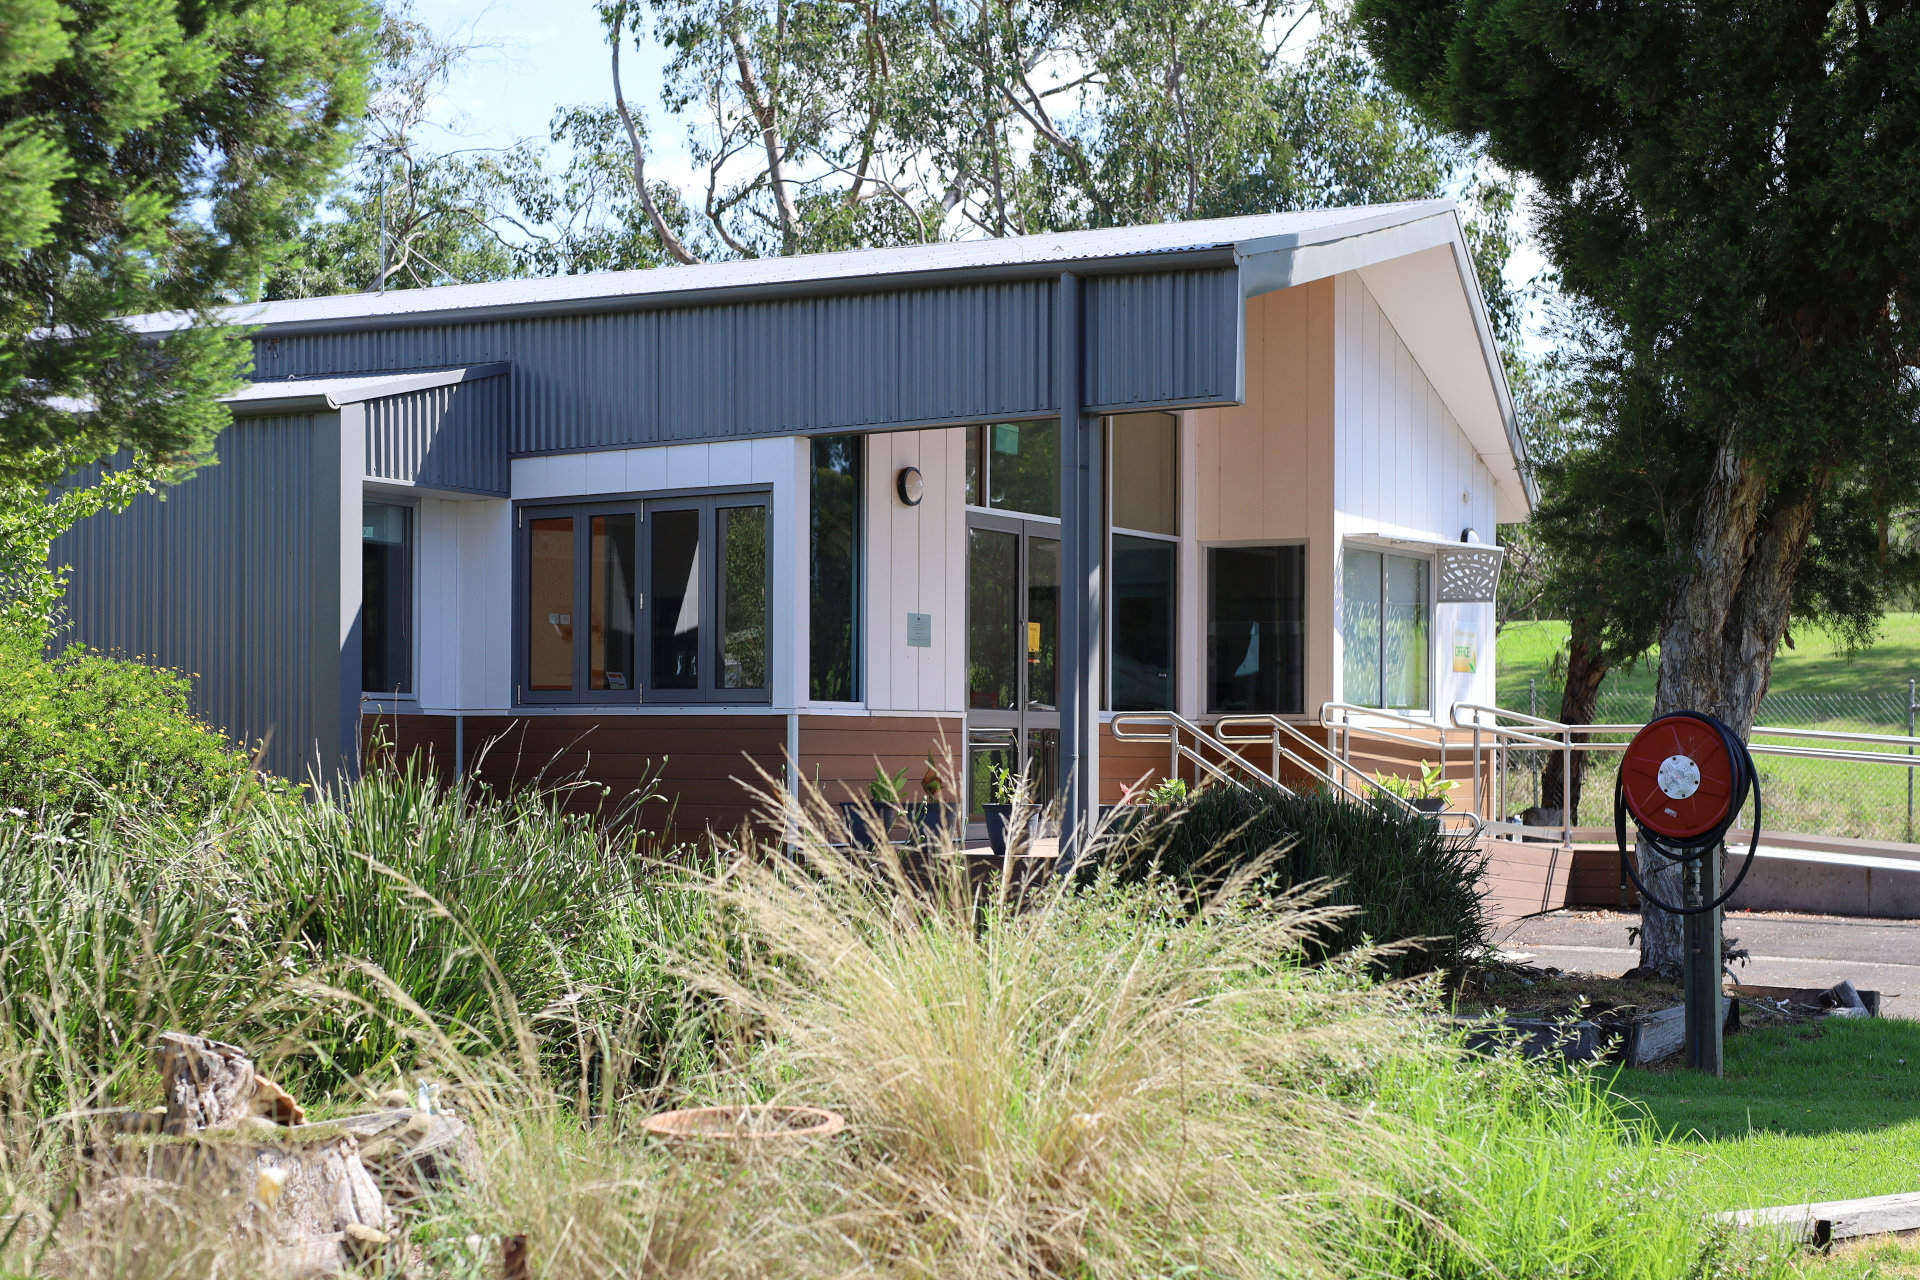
(1469, 535)
(910, 485)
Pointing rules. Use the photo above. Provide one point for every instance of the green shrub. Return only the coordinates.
(1409, 882)
(80, 726)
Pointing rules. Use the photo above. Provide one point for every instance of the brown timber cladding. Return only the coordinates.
(704, 762)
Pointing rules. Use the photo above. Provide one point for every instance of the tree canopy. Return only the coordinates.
(1725, 191)
(155, 155)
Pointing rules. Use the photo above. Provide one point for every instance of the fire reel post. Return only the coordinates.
(1684, 779)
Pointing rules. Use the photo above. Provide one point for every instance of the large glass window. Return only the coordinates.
(667, 601)
(1015, 466)
(1385, 606)
(993, 615)
(1256, 645)
(833, 582)
(675, 573)
(1146, 472)
(1143, 613)
(740, 612)
(386, 599)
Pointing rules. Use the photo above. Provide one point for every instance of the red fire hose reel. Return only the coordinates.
(1684, 779)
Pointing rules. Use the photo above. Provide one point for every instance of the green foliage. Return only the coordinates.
(1719, 192)
(343, 938)
(1429, 785)
(154, 156)
(81, 727)
(1167, 791)
(1406, 880)
(887, 789)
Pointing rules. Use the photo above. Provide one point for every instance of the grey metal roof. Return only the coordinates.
(322, 395)
(1117, 248)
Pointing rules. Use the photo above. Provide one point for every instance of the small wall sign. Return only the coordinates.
(920, 631)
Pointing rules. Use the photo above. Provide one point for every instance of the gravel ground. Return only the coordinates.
(1787, 950)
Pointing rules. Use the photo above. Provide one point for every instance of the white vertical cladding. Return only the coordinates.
(485, 642)
(439, 625)
(1404, 468)
(916, 563)
(350, 426)
(775, 462)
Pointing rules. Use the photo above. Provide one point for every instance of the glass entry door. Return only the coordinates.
(1013, 649)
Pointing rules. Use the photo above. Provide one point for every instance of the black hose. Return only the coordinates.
(1746, 778)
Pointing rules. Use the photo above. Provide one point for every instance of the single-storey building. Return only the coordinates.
(824, 508)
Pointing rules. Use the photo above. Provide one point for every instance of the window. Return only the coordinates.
(700, 568)
(1385, 624)
(1256, 606)
(1015, 466)
(386, 599)
(833, 583)
(1143, 499)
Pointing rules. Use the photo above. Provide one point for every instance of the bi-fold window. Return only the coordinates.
(663, 601)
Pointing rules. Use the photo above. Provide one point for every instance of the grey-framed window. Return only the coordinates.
(1143, 486)
(1015, 466)
(836, 498)
(386, 599)
(1386, 629)
(1256, 629)
(662, 601)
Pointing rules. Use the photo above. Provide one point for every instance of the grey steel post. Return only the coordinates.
(1705, 1015)
(1910, 690)
(1082, 548)
(1540, 774)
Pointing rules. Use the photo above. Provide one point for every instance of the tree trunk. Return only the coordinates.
(1722, 622)
(1586, 668)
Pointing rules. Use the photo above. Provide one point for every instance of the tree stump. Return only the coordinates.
(236, 1143)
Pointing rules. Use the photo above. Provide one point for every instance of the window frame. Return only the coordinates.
(388, 699)
(1205, 620)
(644, 507)
(1385, 549)
(861, 521)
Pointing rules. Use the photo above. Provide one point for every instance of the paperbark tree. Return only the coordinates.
(1725, 186)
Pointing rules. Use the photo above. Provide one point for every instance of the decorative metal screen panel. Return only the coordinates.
(1469, 577)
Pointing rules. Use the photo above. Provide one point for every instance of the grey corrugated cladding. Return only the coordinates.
(957, 353)
(451, 437)
(234, 580)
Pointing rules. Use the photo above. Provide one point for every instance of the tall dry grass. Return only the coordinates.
(1083, 1080)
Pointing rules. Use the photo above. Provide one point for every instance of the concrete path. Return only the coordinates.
(1787, 950)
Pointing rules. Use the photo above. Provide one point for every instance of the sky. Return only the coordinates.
(536, 55)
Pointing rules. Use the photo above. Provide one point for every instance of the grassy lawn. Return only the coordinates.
(1819, 1111)
(1814, 665)
(1832, 798)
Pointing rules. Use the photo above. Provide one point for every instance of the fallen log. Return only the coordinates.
(1825, 1221)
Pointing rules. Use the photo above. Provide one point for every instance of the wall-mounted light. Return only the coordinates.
(1469, 535)
(910, 485)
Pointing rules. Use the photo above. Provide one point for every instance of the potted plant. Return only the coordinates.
(884, 797)
(1135, 806)
(937, 815)
(1427, 793)
(1004, 792)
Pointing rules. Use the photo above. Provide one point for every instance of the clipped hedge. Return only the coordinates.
(1410, 882)
(81, 723)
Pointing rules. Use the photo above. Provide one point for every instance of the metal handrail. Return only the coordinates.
(1349, 718)
(1225, 733)
(1487, 720)
(1173, 722)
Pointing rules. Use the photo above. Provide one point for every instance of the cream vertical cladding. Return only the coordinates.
(918, 551)
(949, 652)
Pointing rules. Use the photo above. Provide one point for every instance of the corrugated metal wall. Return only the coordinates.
(1174, 338)
(900, 357)
(452, 437)
(220, 581)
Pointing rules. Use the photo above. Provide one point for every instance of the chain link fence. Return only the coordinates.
(1816, 797)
